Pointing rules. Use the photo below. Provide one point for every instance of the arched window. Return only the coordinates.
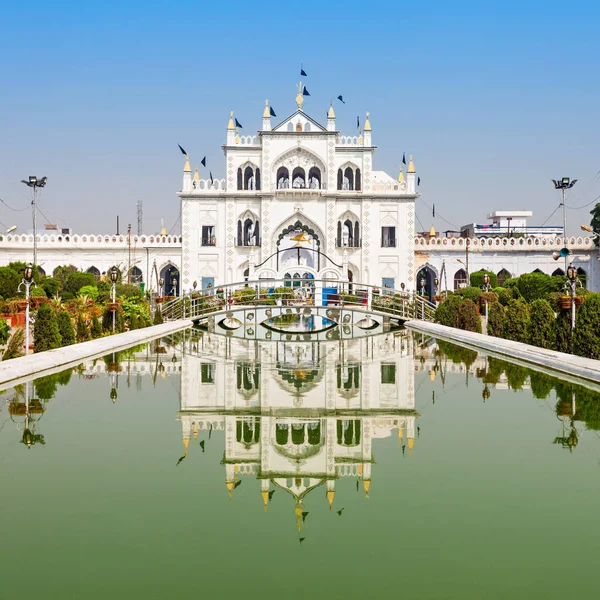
(239, 233)
(538, 271)
(283, 178)
(248, 231)
(257, 233)
(314, 178)
(339, 234)
(257, 179)
(356, 235)
(239, 180)
(290, 127)
(348, 233)
(357, 180)
(348, 183)
(460, 279)
(582, 276)
(93, 270)
(298, 178)
(340, 179)
(558, 272)
(503, 275)
(135, 275)
(298, 127)
(43, 273)
(248, 178)
(307, 127)
(287, 280)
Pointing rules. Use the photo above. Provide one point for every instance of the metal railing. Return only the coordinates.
(299, 292)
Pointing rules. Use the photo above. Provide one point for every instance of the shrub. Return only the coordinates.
(96, 328)
(541, 324)
(541, 384)
(81, 328)
(129, 290)
(91, 291)
(9, 282)
(470, 293)
(469, 318)
(46, 335)
(15, 345)
(133, 322)
(65, 328)
(516, 324)
(158, 318)
(62, 273)
(75, 281)
(447, 312)
(505, 295)
(107, 320)
(496, 317)
(477, 278)
(4, 332)
(536, 286)
(586, 337)
(37, 292)
(51, 286)
(563, 332)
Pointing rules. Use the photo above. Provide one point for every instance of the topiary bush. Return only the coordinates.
(75, 281)
(81, 329)
(469, 318)
(91, 291)
(96, 328)
(46, 335)
(496, 317)
(563, 332)
(505, 295)
(586, 337)
(470, 293)
(477, 278)
(65, 328)
(447, 313)
(516, 324)
(541, 324)
(158, 318)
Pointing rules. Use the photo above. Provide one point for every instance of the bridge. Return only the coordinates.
(299, 309)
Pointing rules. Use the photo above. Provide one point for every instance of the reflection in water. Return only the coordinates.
(299, 323)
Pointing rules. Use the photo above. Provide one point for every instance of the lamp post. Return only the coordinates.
(174, 288)
(114, 275)
(486, 289)
(563, 185)
(572, 276)
(35, 183)
(113, 380)
(27, 281)
(161, 283)
(422, 286)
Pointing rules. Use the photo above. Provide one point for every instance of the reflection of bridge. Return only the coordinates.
(273, 309)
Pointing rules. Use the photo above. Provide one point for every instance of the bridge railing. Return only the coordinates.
(197, 304)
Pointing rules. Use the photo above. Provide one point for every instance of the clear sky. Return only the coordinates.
(492, 98)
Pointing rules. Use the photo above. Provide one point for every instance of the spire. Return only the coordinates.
(411, 166)
(330, 497)
(401, 175)
(331, 113)
(196, 178)
(163, 229)
(186, 443)
(367, 126)
(237, 137)
(186, 167)
(266, 112)
(231, 124)
(432, 232)
(265, 497)
(229, 485)
(411, 445)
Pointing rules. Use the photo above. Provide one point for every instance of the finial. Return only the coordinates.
(367, 485)
(231, 124)
(186, 167)
(411, 445)
(186, 443)
(411, 166)
(196, 178)
(300, 97)
(266, 113)
(330, 497)
(237, 137)
(265, 497)
(401, 175)
(368, 123)
(331, 113)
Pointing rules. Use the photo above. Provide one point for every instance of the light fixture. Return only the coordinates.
(572, 273)
(486, 279)
(114, 274)
(28, 273)
(587, 228)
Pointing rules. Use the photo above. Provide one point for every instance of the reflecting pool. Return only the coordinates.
(365, 468)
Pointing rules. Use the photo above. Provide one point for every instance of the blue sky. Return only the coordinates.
(492, 98)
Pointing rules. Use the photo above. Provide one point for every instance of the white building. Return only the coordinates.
(510, 223)
(299, 200)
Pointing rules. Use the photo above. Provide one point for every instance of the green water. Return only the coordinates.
(485, 505)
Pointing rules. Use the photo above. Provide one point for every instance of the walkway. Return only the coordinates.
(550, 360)
(53, 361)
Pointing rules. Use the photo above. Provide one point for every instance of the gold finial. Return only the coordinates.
(368, 123)
(367, 485)
(330, 497)
(163, 231)
(331, 113)
(186, 167)
(411, 166)
(196, 178)
(360, 138)
(229, 485)
(401, 175)
(432, 233)
(266, 113)
(186, 443)
(411, 445)
(231, 124)
(400, 433)
(300, 96)
(237, 137)
(265, 497)
(298, 512)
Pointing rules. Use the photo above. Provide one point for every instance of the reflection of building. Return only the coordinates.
(299, 416)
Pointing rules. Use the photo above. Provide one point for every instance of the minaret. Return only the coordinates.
(367, 132)
(195, 183)
(411, 177)
(331, 118)
(266, 117)
(230, 130)
(187, 175)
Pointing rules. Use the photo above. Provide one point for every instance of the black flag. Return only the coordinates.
(403, 158)
(211, 178)
(182, 150)
(341, 99)
(203, 162)
(419, 183)
(238, 124)
(434, 211)
(272, 112)
(302, 71)
(357, 123)
(305, 92)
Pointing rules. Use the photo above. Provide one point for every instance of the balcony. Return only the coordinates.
(247, 243)
(348, 243)
(388, 243)
(209, 241)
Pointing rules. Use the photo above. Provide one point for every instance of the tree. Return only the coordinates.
(496, 316)
(469, 318)
(445, 314)
(4, 332)
(15, 345)
(46, 335)
(516, 324)
(75, 281)
(541, 324)
(61, 273)
(586, 337)
(595, 222)
(541, 384)
(9, 282)
(96, 328)
(65, 328)
(107, 320)
(51, 286)
(477, 278)
(505, 295)
(81, 328)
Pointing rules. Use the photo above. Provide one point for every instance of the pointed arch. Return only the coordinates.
(503, 275)
(93, 270)
(460, 279)
(558, 273)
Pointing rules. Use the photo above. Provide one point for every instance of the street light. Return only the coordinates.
(27, 281)
(572, 277)
(35, 183)
(486, 288)
(174, 288)
(423, 286)
(563, 185)
(114, 275)
(161, 282)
